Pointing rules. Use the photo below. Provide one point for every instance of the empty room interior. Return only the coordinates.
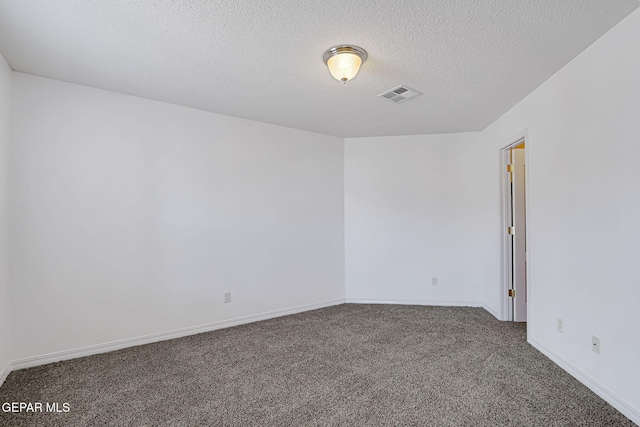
(319, 213)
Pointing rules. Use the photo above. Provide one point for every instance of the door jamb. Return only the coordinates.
(507, 314)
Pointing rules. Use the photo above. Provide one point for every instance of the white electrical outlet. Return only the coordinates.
(560, 325)
(595, 344)
(434, 281)
(227, 297)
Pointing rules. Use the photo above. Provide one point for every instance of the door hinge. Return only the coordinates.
(511, 230)
(510, 168)
(512, 293)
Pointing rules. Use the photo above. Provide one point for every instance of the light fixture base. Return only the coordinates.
(345, 48)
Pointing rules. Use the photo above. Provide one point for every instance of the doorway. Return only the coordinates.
(514, 196)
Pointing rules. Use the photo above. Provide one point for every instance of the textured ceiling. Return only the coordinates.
(262, 59)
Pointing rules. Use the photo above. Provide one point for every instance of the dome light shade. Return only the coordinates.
(344, 61)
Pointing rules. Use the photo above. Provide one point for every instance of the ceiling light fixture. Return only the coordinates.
(344, 61)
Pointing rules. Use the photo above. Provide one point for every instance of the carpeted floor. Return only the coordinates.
(348, 365)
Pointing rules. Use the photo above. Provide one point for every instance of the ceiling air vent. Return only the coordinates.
(400, 94)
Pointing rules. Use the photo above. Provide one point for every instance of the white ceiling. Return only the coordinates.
(262, 59)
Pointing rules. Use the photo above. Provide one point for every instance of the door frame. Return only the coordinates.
(505, 300)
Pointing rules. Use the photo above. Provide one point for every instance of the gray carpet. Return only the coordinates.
(348, 365)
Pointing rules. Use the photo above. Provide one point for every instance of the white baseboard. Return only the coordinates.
(415, 302)
(57, 356)
(5, 372)
(622, 406)
(491, 311)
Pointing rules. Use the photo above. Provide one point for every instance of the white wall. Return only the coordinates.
(583, 146)
(132, 217)
(5, 323)
(412, 212)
